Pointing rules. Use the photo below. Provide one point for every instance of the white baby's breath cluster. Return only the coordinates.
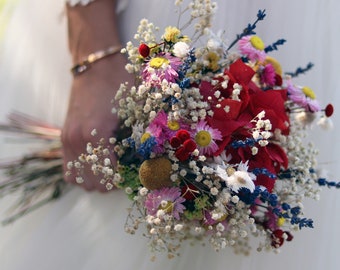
(98, 158)
(302, 156)
(261, 132)
(203, 10)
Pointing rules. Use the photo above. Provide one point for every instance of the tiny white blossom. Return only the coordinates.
(79, 180)
(69, 165)
(183, 172)
(225, 84)
(143, 191)
(107, 162)
(220, 227)
(214, 191)
(153, 231)
(263, 143)
(254, 150)
(178, 227)
(235, 199)
(167, 228)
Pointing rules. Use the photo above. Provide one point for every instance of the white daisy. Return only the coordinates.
(236, 179)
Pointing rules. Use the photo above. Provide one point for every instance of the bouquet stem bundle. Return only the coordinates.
(37, 177)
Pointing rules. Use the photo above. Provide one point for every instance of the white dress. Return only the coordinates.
(85, 230)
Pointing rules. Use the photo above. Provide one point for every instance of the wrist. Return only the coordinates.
(91, 28)
(110, 70)
(85, 64)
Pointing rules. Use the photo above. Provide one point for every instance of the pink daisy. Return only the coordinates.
(205, 137)
(252, 47)
(161, 67)
(168, 199)
(298, 96)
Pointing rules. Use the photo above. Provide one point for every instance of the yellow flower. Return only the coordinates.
(173, 125)
(158, 62)
(308, 92)
(171, 34)
(280, 221)
(203, 138)
(276, 64)
(145, 137)
(213, 61)
(257, 43)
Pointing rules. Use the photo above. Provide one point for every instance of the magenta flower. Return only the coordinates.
(161, 67)
(167, 127)
(168, 199)
(252, 47)
(268, 75)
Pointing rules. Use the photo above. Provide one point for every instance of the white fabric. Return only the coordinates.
(85, 230)
(79, 2)
(121, 4)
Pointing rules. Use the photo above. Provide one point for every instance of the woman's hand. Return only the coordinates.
(90, 108)
(92, 28)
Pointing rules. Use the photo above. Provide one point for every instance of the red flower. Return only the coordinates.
(278, 80)
(278, 237)
(189, 145)
(226, 116)
(144, 50)
(272, 102)
(238, 73)
(241, 72)
(183, 144)
(175, 142)
(182, 154)
(230, 109)
(329, 110)
(183, 135)
(232, 117)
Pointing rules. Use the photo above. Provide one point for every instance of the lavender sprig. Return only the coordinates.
(273, 47)
(249, 30)
(300, 70)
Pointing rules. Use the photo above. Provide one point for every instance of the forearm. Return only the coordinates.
(91, 28)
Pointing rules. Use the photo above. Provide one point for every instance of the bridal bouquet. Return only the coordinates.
(212, 145)
(213, 139)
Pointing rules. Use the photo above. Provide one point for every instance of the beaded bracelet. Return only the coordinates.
(92, 58)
